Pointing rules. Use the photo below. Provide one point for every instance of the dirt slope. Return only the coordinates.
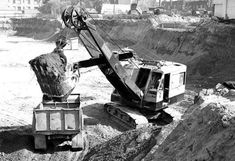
(205, 133)
(205, 46)
(131, 145)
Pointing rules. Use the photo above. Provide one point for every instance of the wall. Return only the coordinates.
(23, 4)
(219, 10)
(224, 8)
(3, 4)
(110, 9)
(191, 5)
(124, 1)
(19, 8)
(231, 9)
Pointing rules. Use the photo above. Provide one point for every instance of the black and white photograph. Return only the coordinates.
(117, 80)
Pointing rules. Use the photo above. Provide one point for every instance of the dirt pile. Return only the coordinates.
(53, 75)
(205, 133)
(131, 145)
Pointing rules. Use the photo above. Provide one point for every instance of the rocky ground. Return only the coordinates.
(201, 130)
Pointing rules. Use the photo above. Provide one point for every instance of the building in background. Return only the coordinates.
(3, 4)
(116, 7)
(112, 9)
(24, 8)
(124, 1)
(188, 5)
(145, 5)
(21, 5)
(224, 9)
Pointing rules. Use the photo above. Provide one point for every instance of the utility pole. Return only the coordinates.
(170, 4)
(183, 5)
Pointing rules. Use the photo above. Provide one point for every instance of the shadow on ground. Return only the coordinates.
(96, 114)
(15, 138)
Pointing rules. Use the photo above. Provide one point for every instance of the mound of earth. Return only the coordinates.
(205, 133)
(131, 145)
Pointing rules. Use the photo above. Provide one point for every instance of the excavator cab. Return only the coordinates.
(160, 86)
(154, 88)
(150, 81)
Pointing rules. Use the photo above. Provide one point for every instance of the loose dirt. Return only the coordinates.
(55, 77)
(205, 133)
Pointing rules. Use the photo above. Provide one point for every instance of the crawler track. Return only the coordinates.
(130, 117)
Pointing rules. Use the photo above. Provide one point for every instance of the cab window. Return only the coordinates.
(155, 82)
(142, 78)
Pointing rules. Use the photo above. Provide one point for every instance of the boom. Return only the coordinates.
(101, 55)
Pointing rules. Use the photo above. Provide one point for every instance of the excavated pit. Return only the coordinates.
(204, 132)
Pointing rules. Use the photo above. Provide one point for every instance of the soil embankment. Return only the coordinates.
(205, 133)
(206, 47)
(36, 28)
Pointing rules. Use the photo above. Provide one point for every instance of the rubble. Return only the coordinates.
(219, 90)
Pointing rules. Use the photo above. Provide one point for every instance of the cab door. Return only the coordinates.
(154, 92)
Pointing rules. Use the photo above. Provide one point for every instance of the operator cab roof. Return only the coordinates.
(161, 66)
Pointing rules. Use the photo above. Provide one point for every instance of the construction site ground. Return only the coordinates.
(201, 131)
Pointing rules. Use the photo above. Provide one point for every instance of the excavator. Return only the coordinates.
(142, 88)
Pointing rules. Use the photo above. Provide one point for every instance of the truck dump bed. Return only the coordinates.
(57, 118)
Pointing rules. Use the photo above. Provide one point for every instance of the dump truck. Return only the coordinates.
(59, 115)
(58, 120)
